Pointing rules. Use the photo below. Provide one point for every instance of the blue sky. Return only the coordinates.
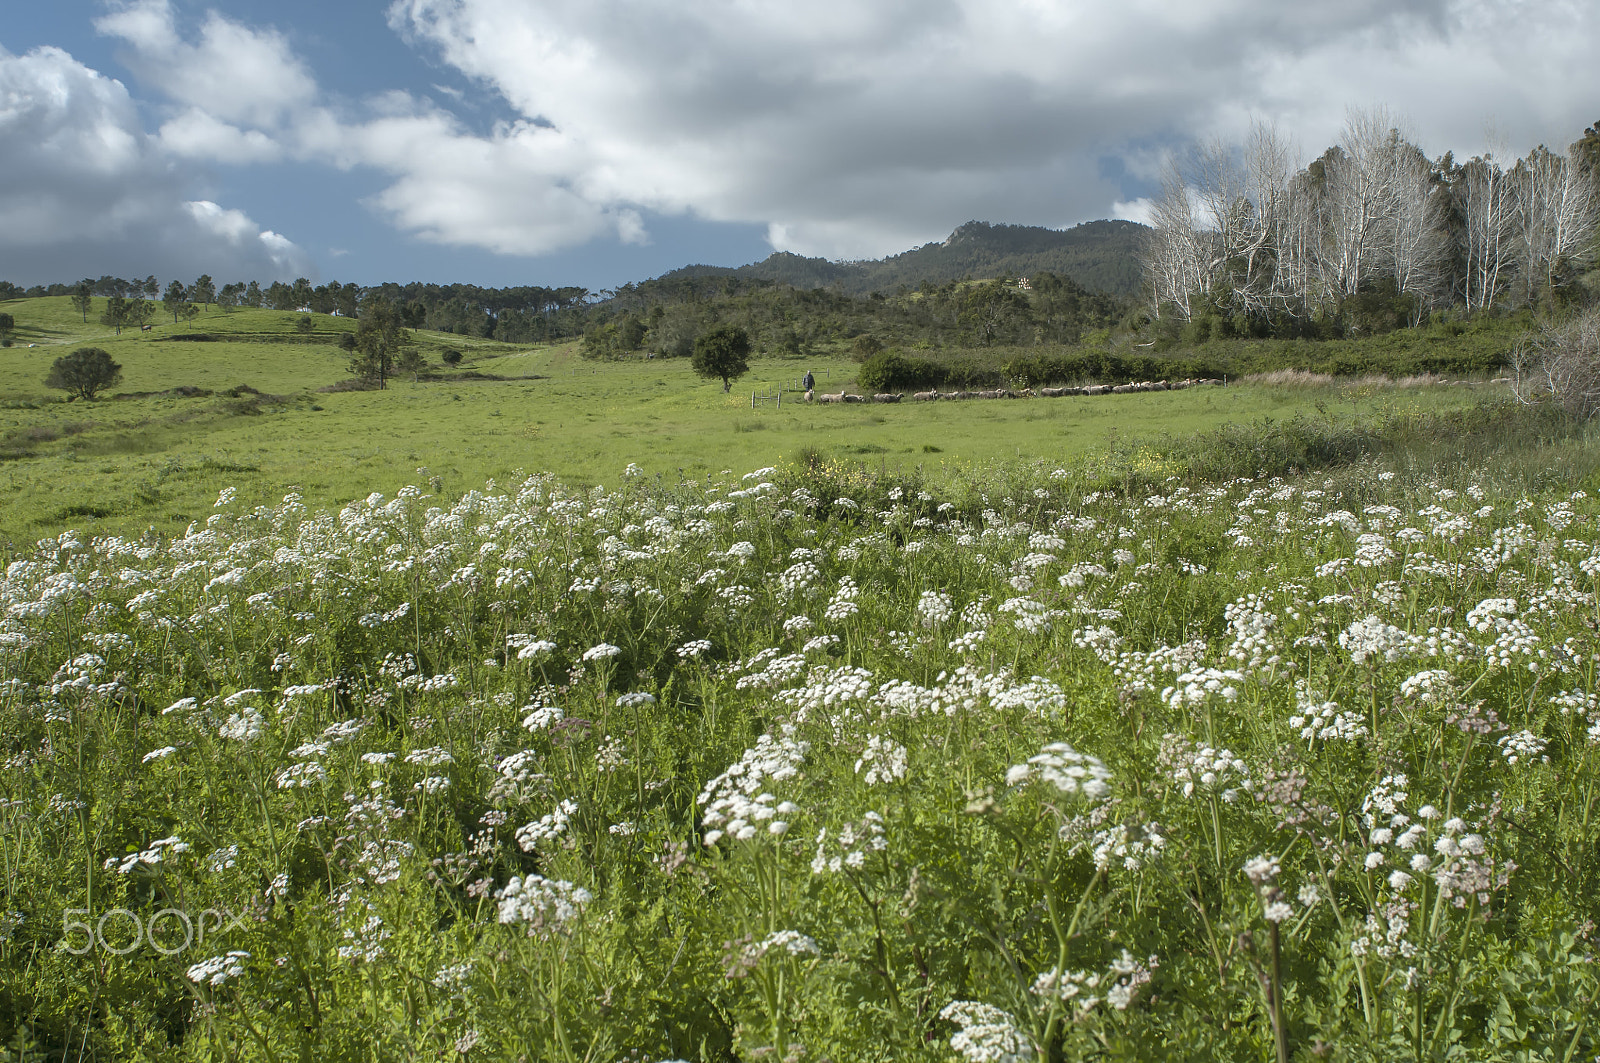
(594, 142)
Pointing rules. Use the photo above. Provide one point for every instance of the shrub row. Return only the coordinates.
(1395, 356)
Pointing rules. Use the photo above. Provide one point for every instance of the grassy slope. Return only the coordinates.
(158, 460)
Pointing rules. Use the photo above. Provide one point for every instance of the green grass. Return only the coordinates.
(156, 458)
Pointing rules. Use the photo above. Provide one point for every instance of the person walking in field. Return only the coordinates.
(808, 382)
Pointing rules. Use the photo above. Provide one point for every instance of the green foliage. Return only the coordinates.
(891, 371)
(84, 373)
(619, 337)
(380, 338)
(779, 762)
(175, 299)
(865, 346)
(83, 298)
(723, 353)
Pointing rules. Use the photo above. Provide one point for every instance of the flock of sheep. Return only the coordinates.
(1007, 393)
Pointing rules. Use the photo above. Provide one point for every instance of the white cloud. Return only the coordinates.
(195, 134)
(855, 127)
(85, 190)
(850, 128)
(234, 72)
(1132, 210)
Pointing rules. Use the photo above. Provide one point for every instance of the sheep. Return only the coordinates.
(881, 397)
(847, 397)
(926, 396)
(837, 396)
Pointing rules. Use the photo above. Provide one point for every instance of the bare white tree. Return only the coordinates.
(1175, 249)
(1219, 222)
(1358, 203)
(1418, 242)
(1559, 208)
(1493, 215)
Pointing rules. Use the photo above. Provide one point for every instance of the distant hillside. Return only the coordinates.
(1100, 255)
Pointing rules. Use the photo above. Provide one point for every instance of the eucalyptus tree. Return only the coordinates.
(1559, 212)
(1492, 210)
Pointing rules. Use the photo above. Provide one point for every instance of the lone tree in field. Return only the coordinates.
(83, 298)
(379, 338)
(8, 325)
(724, 352)
(84, 372)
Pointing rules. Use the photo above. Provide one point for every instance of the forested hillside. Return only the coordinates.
(1099, 255)
(664, 316)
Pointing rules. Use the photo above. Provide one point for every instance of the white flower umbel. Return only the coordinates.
(850, 846)
(1060, 766)
(543, 905)
(218, 970)
(1204, 770)
(242, 726)
(884, 760)
(546, 828)
(1371, 641)
(987, 1034)
(736, 803)
(542, 717)
(934, 608)
(1523, 747)
(160, 850)
(300, 776)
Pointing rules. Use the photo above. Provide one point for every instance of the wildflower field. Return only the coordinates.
(810, 765)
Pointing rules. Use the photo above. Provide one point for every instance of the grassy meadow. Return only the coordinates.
(151, 456)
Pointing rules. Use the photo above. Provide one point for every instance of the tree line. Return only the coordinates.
(525, 314)
(1372, 235)
(664, 317)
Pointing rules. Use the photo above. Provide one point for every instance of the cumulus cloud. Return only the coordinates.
(849, 128)
(236, 73)
(195, 134)
(856, 127)
(92, 193)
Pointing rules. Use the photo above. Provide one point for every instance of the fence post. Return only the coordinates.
(780, 396)
(752, 399)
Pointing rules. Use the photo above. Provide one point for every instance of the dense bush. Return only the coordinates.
(1561, 362)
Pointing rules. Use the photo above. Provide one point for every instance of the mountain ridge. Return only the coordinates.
(1100, 255)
